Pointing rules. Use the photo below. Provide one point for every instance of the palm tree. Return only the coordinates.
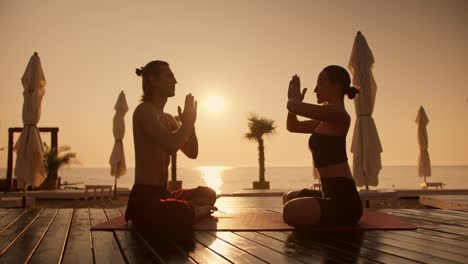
(54, 159)
(259, 126)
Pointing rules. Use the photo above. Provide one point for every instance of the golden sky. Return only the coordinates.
(244, 52)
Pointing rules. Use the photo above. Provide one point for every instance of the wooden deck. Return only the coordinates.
(454, 202)
(39, 235)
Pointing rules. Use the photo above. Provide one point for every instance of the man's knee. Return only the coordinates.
(205, 196)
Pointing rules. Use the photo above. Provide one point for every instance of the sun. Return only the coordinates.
(214, 104)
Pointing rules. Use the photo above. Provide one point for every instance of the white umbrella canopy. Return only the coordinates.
(424, 162)
(365, 146)
(117, 158)
(29, 168)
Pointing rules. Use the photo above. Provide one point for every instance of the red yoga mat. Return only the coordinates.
(270, 221)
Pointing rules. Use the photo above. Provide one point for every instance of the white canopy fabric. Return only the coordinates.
(365, 146)
(29, 168)
(424, 162)
(117, 158)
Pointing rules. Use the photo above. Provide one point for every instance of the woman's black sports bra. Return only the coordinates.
(327, 150)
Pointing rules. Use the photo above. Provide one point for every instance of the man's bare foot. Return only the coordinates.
(202, 211)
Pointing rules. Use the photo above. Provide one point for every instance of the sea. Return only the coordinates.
(227, 180)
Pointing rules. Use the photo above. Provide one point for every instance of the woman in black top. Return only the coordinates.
(328, 122)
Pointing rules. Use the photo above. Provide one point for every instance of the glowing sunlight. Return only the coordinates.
(212, 176)
(214, 104)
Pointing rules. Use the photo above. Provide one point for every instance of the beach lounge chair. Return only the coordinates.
(427, 185)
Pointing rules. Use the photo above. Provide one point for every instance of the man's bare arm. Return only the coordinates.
(146, 117)
(190, 148)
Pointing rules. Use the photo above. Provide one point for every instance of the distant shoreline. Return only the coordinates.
(274, 166)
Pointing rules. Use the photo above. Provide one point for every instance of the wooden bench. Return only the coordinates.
(11, 202)
(100, 187)
(317, 186)
(426, 185)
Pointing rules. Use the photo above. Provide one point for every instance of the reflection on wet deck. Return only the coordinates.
(63, 235)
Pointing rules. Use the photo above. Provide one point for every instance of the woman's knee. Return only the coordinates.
(288, 196)
(301, 211)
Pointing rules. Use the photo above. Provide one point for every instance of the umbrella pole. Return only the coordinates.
(424, 178)
(115, 184)
(367, 189)
(115, 188)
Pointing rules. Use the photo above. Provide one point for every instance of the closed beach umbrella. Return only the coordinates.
(424, 162)
(29, 168)
(366, 147)
(117, 158)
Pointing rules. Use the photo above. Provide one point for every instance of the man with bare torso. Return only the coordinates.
(157, 135)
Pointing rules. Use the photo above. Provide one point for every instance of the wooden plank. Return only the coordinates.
(134, 248)
(105, 246)
(202, 254)
(463, 213)
(10, 218)
(346, 248)
(4, 211)
(425, 227)
(421, 222)
(433, 224)
(309, 246)
(436, 238)
(365, 248)
(13, 231)
(433, 253)
(26, 243)
(447, 220)
(425, 242)
(454, 237)
(296, 252)
(380, 245)
(256, 249)
(51, 248)
(439, 215)
(78, 248)
(161, 248)
(112, 213)
(167, 249)
(439, 212)
(225, 249)
(445, 201)
(455, 213)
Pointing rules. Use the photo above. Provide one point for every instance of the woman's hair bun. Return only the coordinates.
(139, 71)
(351, 92)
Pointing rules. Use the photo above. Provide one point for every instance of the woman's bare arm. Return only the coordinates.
(317, 112)
(296, 126)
